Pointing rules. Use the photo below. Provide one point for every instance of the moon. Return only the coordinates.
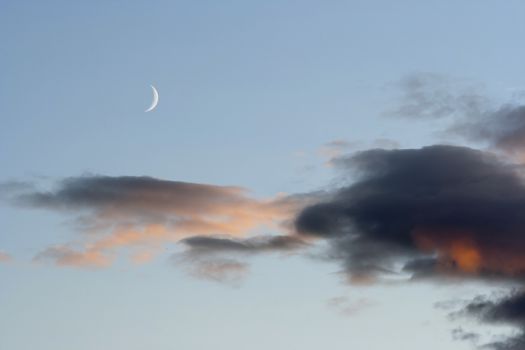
(155, 99)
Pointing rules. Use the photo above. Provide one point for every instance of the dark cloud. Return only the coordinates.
(67, 256)
(508, 310)
(439, 208)
(424, 267)
(140, 195)
(439, 211)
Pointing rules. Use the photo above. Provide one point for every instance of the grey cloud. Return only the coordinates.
(9, 188)
(217, 258)
(139, 195)
(507, 310)
(460, 334)
(221, 270)
(208, 244)
(503, 129)
(472, 115)
(428, 95)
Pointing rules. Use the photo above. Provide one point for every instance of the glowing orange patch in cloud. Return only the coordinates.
(453, 246)
(465, 255)
(472, 253)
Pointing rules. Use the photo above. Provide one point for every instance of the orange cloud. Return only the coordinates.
(143, 214)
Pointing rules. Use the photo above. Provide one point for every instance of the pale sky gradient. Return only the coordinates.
(250, 91)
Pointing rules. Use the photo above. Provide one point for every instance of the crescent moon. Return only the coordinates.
(155, 99)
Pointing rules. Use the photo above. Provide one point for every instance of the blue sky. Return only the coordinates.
(250, 92)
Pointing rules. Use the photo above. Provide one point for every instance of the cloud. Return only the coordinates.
(66, 256)
(437, 210)
(427, 213)
(460, 334)
(205, 244)
(9, 187)
(146, 212)
(221, 270)
(211, 258)
(431, 96)
(332, 150)
(508, 310)
(470, 114)
(502, 129)
(336, 148)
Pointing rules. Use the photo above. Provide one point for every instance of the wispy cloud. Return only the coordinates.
(218, 258)
(206, 244)
(431, 96)
(507, 310)
(218, 269)
(470, 113)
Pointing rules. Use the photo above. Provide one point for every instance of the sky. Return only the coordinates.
(343, 174)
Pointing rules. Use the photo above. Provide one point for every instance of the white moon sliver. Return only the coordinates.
(155, 99)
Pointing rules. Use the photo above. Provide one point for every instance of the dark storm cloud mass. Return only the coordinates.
(441, 208)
